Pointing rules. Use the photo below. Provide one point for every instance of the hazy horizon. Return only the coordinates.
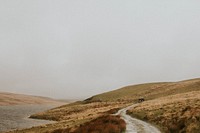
(75, 49)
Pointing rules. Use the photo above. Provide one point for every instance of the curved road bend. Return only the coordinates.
(134, 125)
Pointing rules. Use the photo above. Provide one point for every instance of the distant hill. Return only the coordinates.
(18, 99)
(148, 91)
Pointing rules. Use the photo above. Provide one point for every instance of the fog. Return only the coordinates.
(75, 49)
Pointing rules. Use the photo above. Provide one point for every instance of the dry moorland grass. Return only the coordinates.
(19, 99)
(103, 124)
(77, 111)
(173, 106)
(178, 113)
(73, 115)
(148, 91)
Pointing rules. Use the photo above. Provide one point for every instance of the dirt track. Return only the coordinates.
(134, 125)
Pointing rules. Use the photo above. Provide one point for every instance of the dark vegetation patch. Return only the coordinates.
(103, 124)
(63, 130)
(45, 117)
(112, 111)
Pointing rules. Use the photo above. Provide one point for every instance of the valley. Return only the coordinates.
(170, 106)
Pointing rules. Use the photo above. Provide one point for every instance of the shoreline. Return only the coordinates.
(16, 117)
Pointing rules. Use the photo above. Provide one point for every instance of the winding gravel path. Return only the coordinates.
(134, 125)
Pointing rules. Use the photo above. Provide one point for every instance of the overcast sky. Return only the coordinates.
(78, 48)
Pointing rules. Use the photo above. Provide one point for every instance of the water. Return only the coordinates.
(16, 117)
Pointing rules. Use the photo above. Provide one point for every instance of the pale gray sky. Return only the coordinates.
(78, 48)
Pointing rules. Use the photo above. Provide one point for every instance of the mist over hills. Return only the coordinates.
(19, 99)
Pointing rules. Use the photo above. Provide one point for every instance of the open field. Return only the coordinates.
(165, 105)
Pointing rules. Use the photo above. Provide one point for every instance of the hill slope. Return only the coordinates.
(166, 104)
(174, 113)
(148, 91)
(17, 99)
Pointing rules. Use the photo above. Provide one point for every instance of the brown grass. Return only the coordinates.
(166, 104)
(103, 124)
(61, 130)
(148, 91)
(79, 111)
(73, 115)
(174, 114)
(19, 99)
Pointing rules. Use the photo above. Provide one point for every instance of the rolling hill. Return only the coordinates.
(172, 106)
(148, 91)
(18, 99)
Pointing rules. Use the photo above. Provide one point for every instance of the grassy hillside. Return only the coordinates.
(174, 97)
(177, 113)
(18, 99)
(148, 91)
